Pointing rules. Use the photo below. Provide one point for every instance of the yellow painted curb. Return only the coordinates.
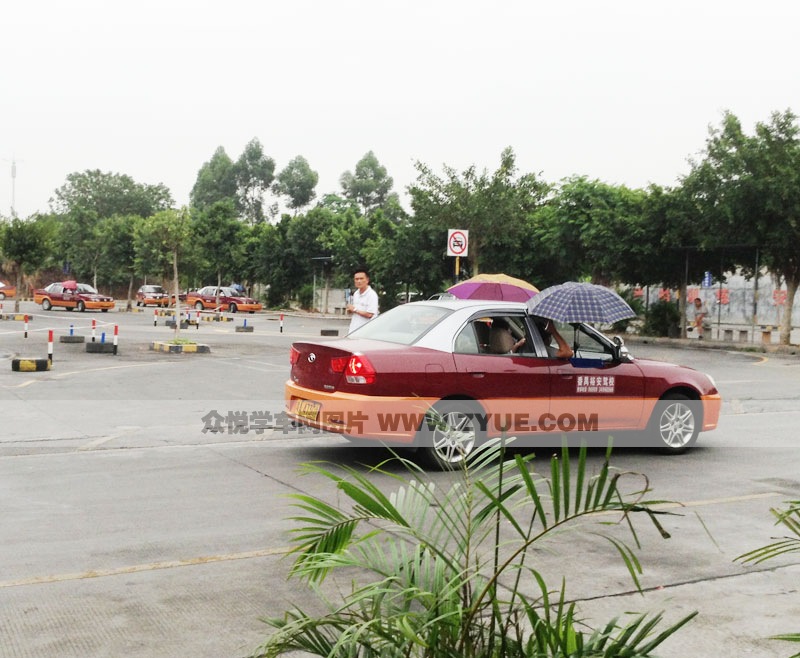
(30, 365)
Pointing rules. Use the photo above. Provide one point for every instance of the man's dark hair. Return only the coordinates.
(361, 269)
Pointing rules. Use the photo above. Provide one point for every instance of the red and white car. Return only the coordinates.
(426, 374)
(72, 295)
(224, 298)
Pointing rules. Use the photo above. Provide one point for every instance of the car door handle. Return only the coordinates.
(478, 374)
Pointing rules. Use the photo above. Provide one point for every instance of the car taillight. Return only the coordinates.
(294, 355)
(359, 370)
(338, 363)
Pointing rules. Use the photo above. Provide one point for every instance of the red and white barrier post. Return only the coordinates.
(116, 334)
(50, 345)
(155, 317)
(281, 322)
(94, 327)
(26, 325)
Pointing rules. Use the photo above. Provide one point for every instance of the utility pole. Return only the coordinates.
(13, 186)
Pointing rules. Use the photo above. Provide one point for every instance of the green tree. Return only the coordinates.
(105, 194)
(25, 245)
(253, 174)
(222, 243)
(748, 190)
(216, 181)
(114, 237)
(368, 185)
(588, 228)
(89, 197)
(166, 233)
(297, 182)
(493, 208)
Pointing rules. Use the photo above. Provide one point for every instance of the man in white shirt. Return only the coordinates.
(364, 302)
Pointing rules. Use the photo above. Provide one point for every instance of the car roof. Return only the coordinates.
(471, 303)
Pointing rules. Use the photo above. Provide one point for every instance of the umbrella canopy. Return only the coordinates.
(580, 302)
(499, 287)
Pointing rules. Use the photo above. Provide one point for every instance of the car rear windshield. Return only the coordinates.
(403, 324)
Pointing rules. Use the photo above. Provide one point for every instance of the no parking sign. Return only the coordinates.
(457, 242)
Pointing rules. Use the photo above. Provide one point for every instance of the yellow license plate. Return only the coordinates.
(307, 409)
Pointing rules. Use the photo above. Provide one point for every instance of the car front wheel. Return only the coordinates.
(199, 306)
(675, 423)
(2, 295)
(81, 307)
(46, 305)
(449, 433)
(233, 308)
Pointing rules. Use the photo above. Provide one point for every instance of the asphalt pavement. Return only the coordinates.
(128, 530)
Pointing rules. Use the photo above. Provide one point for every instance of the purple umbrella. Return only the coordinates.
(500, 287)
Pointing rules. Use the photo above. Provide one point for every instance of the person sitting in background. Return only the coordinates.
(700, 313)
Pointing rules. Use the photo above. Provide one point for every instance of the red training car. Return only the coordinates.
(436, 375)
(72, 295)
(222, 299)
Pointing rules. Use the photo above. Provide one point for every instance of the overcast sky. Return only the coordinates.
(621, 91)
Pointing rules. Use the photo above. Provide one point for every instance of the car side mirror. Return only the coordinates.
(621, 352)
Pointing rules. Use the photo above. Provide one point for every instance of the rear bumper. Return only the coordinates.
(392, 419)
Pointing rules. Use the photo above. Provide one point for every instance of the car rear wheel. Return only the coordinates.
(199, 306)
(81, 307)
(675, 423)
(233, 308)
(449, 433)
(46, 305)
(2, 295)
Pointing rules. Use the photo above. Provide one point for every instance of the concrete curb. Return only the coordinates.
(100, 348)
(171, 348)
(693, 343)
(74, 338)
(30, 365)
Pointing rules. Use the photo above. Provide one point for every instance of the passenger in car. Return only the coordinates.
(561, 350)
(501, 340)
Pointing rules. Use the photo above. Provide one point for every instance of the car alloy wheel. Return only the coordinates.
(676, 422)
(46, 305)
(199, 306)
(449, 433)
(233, 308)
(81, 307)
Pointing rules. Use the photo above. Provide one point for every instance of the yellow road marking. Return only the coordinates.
(138, 568)
(268, 552)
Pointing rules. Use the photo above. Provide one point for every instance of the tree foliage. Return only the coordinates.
(216, 181)
(494, 208)
(253, 173)
(297, 182)
(748, 190)
(26, 246)
(369, 185)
